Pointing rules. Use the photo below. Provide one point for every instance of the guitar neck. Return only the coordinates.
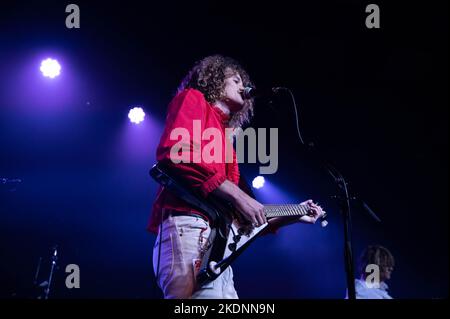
(285, 210)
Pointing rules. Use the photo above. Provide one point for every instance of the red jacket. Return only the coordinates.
(187, 106)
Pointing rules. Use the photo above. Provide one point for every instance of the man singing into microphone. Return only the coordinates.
(210, 96)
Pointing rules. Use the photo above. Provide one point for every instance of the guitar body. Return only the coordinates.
(229, 237)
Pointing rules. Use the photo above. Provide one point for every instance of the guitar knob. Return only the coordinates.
(236, 238)
(213, 267)
(232, 246)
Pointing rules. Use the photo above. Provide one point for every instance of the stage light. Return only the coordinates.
(50, 68)
(136, 115)
(258, 182)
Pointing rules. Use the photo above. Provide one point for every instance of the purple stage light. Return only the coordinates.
(50, 68)
(258, 182)
(136, 115)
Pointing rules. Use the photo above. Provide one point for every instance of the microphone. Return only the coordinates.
(251, 92)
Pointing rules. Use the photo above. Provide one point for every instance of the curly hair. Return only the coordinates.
(208, 76)
(378, 255)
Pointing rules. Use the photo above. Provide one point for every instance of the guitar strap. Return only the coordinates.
(160, 174)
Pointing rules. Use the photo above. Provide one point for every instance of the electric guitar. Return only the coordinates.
(230, 235)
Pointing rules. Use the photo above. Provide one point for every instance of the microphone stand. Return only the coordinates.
(52, 269)
(46, 285)
(343, 200)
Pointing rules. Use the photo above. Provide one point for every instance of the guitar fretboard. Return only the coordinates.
(285, 210)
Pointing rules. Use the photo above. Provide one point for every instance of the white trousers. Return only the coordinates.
(184, 238)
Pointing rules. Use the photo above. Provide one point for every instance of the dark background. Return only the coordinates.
(374, 102)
